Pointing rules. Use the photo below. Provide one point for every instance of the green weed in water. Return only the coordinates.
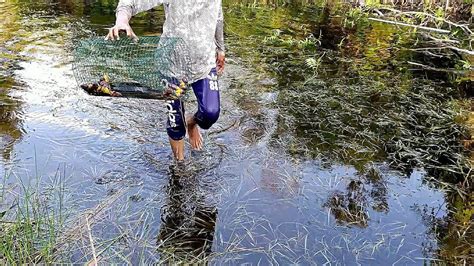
(32, 219)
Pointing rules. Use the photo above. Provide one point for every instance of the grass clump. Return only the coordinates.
(32, 216)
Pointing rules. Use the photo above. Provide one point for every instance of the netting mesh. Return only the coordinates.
(146, 62)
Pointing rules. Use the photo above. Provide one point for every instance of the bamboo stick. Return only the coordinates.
(437, 69)
(410, 25)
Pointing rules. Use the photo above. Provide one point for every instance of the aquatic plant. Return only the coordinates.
(400, 99)
(32, 216)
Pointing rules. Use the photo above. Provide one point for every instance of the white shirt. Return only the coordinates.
(196, 23)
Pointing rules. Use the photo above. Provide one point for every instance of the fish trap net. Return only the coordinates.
(148, 62)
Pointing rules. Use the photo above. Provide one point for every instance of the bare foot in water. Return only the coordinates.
(195, 137)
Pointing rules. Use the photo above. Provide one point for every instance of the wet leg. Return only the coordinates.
(176, 127)
(208, 98)
(177, 146)
(195, 137)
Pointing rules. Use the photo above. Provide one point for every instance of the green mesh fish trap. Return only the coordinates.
(148, 63)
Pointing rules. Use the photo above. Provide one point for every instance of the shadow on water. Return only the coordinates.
(188, 222)
(329, 150)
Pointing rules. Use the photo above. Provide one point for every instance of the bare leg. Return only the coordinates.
(178, 149)
(195, 137)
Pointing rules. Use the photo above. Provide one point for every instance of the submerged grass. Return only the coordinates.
(360, 98)
(413, 129)
(357, 98)
(367, 121)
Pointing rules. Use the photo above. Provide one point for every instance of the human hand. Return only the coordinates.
(220, 62)
(121, 24)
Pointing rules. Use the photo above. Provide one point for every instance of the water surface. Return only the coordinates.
(287, 176)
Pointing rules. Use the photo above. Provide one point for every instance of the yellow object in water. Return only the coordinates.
(105, 90)
(106, 78)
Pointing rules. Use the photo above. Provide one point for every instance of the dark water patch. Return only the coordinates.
(189, 220)
(360, 123)
(11, 124)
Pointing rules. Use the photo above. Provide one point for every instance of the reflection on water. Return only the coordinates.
(350, 205)
(10, 123)
(188, 223)
(350, 208)
(10, 107)
(300, 169)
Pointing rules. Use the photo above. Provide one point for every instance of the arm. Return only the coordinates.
(124, 12)
(219, 39)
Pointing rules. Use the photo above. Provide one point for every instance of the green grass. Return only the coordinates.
(32, 219)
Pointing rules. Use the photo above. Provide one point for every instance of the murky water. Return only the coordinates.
(266, 189)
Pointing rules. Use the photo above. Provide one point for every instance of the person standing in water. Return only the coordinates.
(200, 25)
